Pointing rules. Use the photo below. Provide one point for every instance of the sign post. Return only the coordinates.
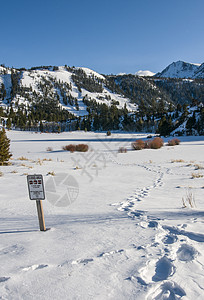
(36, 192)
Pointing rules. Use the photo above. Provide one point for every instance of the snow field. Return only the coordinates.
(125, 237)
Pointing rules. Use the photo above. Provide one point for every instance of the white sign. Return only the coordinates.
(36, 187)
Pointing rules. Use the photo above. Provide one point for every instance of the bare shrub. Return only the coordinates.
(148, 144)
(79, 148)
(156, 143)
(189, 200)
(49, 149)
(173, 142)
(138, 145)
(71, 148)
(198, 167)
(177, 141)
(122, 150)
(82, 148)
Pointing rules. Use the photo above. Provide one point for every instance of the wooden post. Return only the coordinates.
(40, 215)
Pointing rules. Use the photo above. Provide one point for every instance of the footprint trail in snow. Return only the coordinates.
(171, 247)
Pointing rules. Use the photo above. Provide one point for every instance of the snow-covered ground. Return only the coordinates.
(126, 235)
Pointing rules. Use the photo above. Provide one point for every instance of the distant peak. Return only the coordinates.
(180, 69)
(144, 73)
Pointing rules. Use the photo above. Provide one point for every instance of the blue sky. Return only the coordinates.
(109, 36)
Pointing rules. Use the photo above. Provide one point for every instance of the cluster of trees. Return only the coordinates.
(90, 83)
(4, 148)
(29, 118)
(2, 92)
(136, 88)
(162, 103)
(180, 90)
(148, 89)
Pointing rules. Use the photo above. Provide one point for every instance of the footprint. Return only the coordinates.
(82, 261)
(12, 249)
(147, 272)
(3, 279)
(164, 269)
(169, 290)
(186, 253)
(153, 224)
(110, 253)
(170, 239)
(35, 267)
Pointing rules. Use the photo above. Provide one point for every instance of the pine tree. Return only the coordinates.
(4, 147)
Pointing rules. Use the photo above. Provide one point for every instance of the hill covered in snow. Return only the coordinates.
(181, 69)
(52, 98)
(68, 86)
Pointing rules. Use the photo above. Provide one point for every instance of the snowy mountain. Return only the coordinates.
(200, 72)
(68, 86)
(181, 69)
(144, 73)
(50, 97)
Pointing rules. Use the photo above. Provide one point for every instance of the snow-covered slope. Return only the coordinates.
(180, 69)
(200, 72)
(57, 82)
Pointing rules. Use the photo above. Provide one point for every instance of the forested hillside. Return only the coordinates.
(51, 98)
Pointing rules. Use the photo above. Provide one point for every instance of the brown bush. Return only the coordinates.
(82, 148)
(138, 145)
(71, 148)
(156, 143)
(148, 144)
(173, 142)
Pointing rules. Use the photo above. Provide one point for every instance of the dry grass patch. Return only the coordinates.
(196, 175)
(26, 166)
(52, 173)
(189, 199)
(39, 162)
(177, 160)
(22, 158)
(198, 167)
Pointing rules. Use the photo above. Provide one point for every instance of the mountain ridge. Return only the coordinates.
(181, 69)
